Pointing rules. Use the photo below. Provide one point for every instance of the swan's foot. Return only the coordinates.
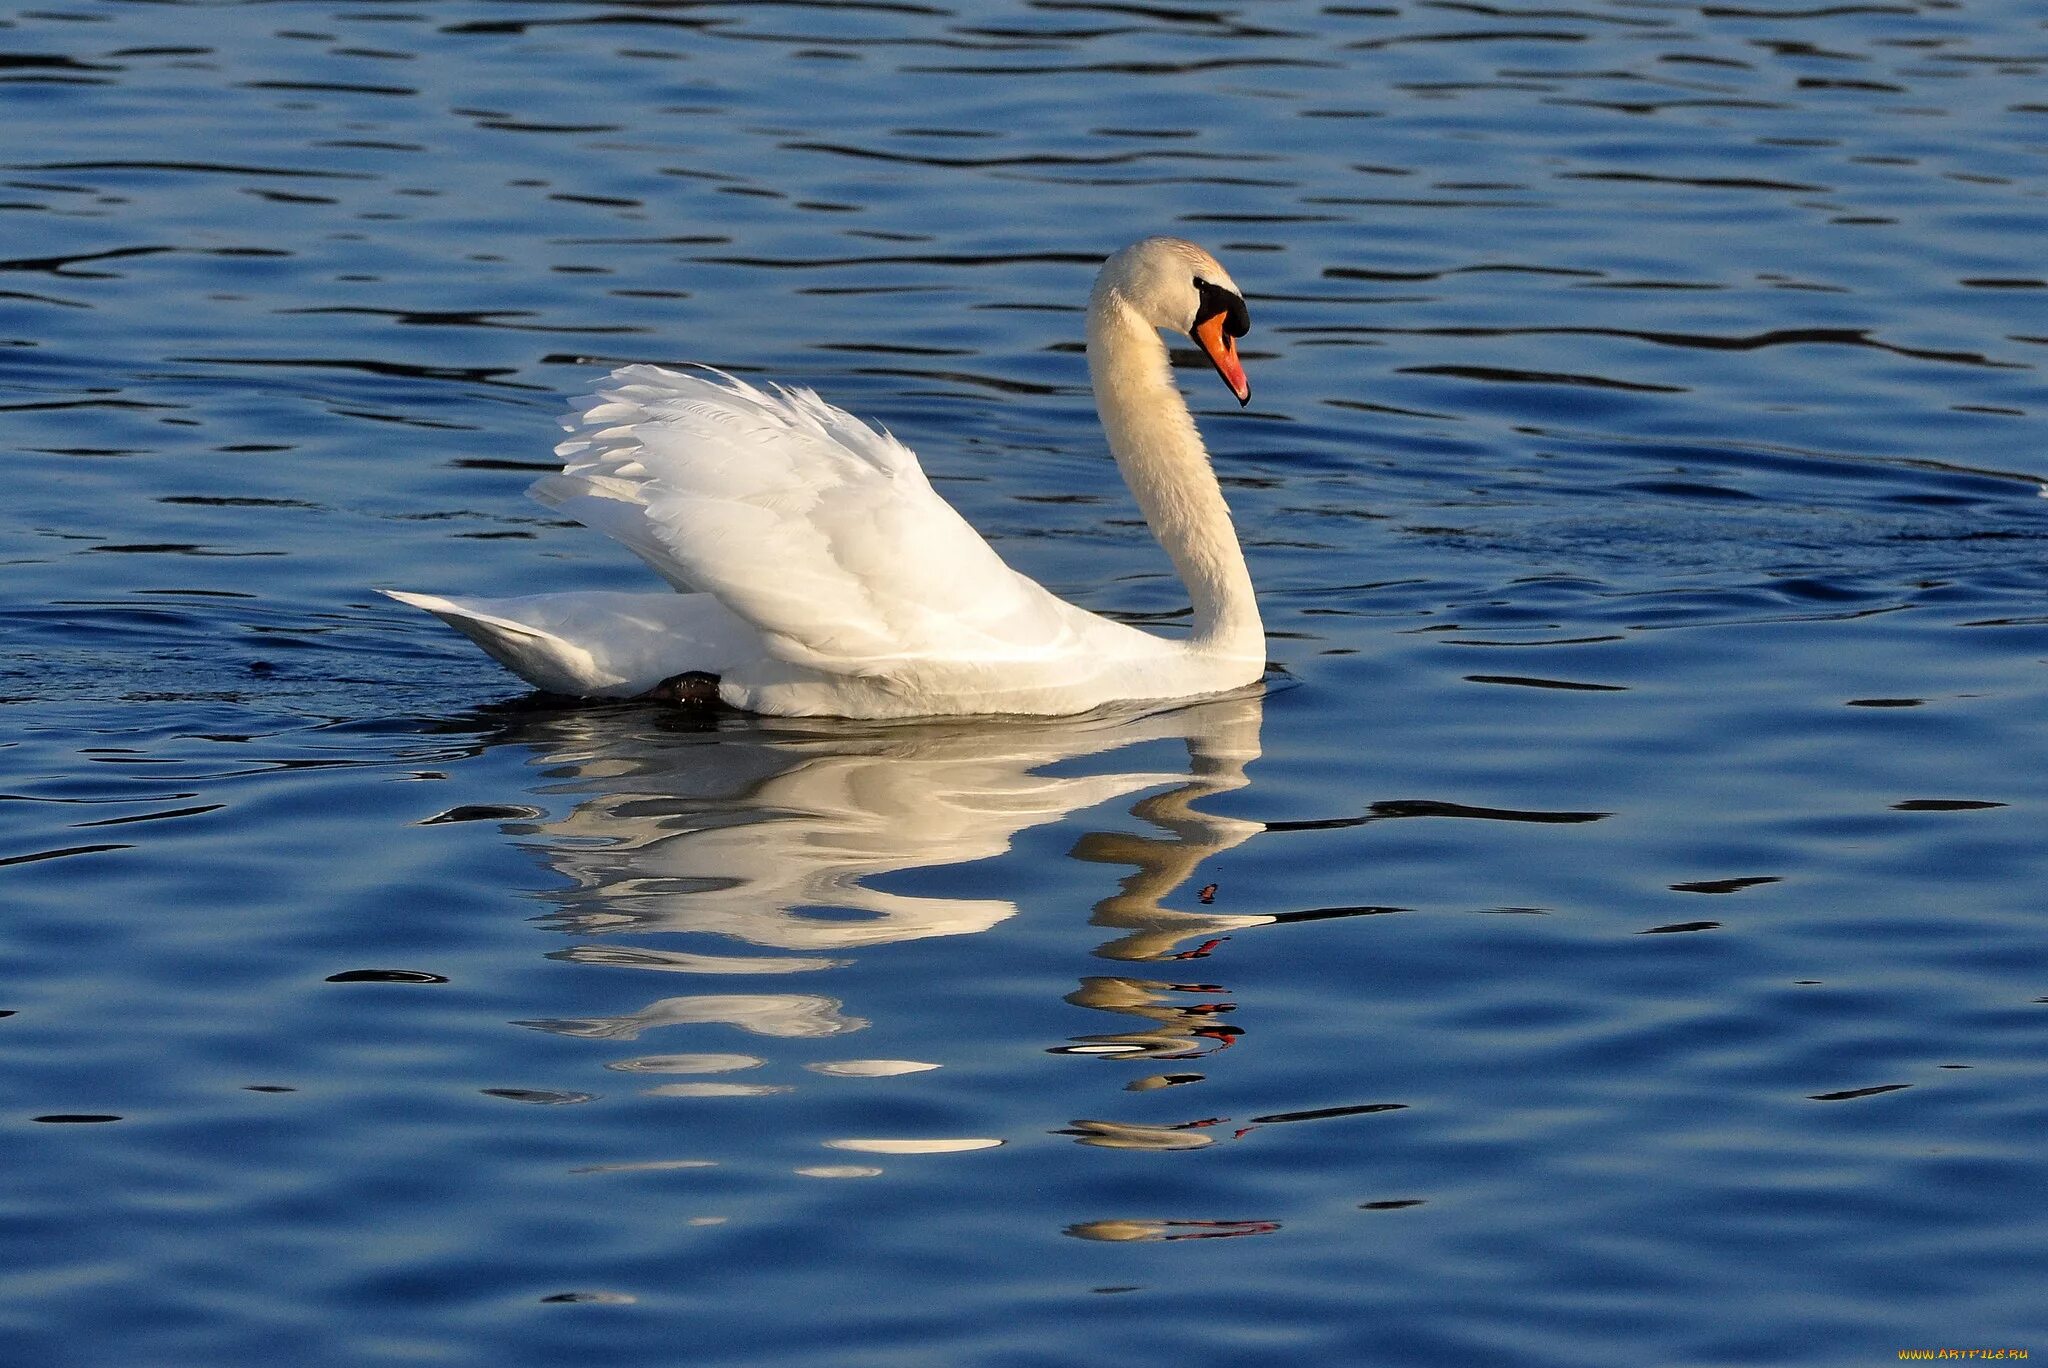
(691, 689)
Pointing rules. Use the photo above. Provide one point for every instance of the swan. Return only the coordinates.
(817, 573)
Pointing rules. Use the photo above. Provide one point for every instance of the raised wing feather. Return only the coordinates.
(820, 531)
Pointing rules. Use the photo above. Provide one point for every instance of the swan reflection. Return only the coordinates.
(772, 835)
(768, 1014)
(1176, 1027)
(763, 843)
(1124, 1232)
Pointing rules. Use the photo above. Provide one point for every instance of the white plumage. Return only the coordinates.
(816, 571)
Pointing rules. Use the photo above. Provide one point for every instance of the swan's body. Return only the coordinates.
(817, 572)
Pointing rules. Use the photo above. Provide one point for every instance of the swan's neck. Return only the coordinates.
(1153, 437)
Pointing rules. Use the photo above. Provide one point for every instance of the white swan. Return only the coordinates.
(818, 573)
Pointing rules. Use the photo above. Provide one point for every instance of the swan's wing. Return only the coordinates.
(820, 531)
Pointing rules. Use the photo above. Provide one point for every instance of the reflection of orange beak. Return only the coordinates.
(1222, 353)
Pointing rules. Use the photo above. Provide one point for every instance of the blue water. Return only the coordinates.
(1614, 936)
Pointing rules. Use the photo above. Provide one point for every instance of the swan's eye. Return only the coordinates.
(1237, 320)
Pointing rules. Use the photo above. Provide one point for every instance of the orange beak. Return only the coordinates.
(1222, 353)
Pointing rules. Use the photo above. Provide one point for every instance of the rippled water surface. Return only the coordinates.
(1614, 936)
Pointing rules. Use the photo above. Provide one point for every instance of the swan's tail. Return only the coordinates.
(594, 644)
(535, 654)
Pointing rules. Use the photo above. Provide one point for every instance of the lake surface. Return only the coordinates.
(1614, 936)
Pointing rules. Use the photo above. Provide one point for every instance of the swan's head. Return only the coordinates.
(1173, 284)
